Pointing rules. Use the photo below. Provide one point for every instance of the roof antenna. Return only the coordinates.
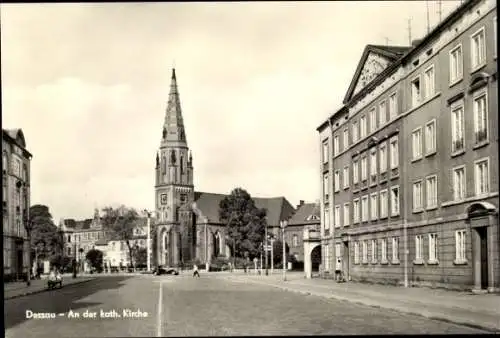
(427, 9)
(440, 9)
(409, 30)
(386, 41)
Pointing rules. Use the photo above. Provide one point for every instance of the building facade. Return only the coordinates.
(16, 160)
(411, 181)
(187, 222)
(306, 216)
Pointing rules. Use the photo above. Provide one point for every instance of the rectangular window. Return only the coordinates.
(346, 139)
(364, 208)
(480, 117)
(355, 211)
(417, 196)
(459, 183)
(356, 252)
(383, 203)
(394, 153)
(482, 177)
(327, 257)
(362, 126)
(374, 206)
(457, 127)
(347, 217)
(393, 106)
(429, 82)
(416, 137)
(355, 131)
(346, 177)
(433, 248)
(419, 247)
(382, 114)
(383, 158)
(336, 145)
(337, 180)
(337, 216)
(460, 242)
(478, 49)
(395, 201)
(363, 168)
(327, 218)
(374, 251)
(456, 64)
(395, 249)
(431, 191)
(415, 92)
(365, 251)
(383, 250)
(325, 151)
(355, 171)
(326, 187)
(373, 120)
(373, 163)
(430, 137)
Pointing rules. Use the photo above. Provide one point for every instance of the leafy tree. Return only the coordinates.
(45, 237)
(121, 221)
(278, 250)
(140, 256)
(245, 223)
(95, 258)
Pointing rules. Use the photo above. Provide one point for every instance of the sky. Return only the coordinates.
(88, 84)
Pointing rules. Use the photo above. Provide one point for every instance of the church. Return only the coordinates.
(187, 221)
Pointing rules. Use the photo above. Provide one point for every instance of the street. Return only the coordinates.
(206, 306)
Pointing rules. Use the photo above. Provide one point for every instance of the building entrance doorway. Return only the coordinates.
(19, 263)
(345, 267)
(483, 252)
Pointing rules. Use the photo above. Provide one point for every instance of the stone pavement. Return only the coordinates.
(19, 289)
(475, 310)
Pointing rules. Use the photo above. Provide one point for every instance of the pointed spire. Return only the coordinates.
(157, 160)
(173, 127)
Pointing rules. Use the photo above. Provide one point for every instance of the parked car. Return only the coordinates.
(55, 278)
(161, 270)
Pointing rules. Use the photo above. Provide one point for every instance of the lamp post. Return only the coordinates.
(283, 225)
(265, 244)
(271, 240)
(28, 226)
(148, 241)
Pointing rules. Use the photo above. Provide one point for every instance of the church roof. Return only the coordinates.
(307, 213)
(173, 132)
(278, 208)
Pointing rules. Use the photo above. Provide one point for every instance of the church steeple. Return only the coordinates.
(173, 128)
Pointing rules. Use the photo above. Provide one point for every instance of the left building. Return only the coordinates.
(16, 163)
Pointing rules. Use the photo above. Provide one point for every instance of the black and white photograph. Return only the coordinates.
(252, 168)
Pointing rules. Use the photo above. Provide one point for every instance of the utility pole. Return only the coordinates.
(265, 244)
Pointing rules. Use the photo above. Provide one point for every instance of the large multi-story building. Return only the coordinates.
(187, 222)
(16, 161)
(410, 161)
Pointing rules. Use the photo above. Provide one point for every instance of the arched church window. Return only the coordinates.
(164, 164)
(25, 173)
(182, 164)
(164, 133)
(173, 158)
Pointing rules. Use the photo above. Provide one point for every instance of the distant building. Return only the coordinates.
(307, 216)
(410, 161)
(16, 161)
(187, 222)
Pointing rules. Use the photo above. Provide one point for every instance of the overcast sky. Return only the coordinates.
(88, 84)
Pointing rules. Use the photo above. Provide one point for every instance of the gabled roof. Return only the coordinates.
(305, 214)
(278, 208)
(380, 58)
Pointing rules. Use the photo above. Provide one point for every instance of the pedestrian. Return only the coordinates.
(195, 271)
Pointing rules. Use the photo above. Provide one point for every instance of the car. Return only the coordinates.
(55, 279)
(165, 271)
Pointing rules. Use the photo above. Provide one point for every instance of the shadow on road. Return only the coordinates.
(58, 300)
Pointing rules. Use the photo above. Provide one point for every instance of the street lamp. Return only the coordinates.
(265, 245)
(148, 241)
(283, 225)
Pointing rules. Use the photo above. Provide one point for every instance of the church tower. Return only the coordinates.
(174, 189)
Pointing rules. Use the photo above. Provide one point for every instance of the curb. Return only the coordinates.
(372, 304)
(44, 289)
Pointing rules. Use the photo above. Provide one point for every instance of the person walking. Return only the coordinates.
(195, 271)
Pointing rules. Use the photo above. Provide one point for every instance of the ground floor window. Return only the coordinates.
(460, 246)
(356, 252)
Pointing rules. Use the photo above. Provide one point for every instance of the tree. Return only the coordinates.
(140, 256)
(121, 221)
(46, 239)
(95, 258)
(278, 250)
(245, 223)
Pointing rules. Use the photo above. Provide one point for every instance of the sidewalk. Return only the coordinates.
(480, 311)
(19, 289)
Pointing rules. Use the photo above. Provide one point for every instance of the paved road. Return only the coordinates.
(208, 306)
